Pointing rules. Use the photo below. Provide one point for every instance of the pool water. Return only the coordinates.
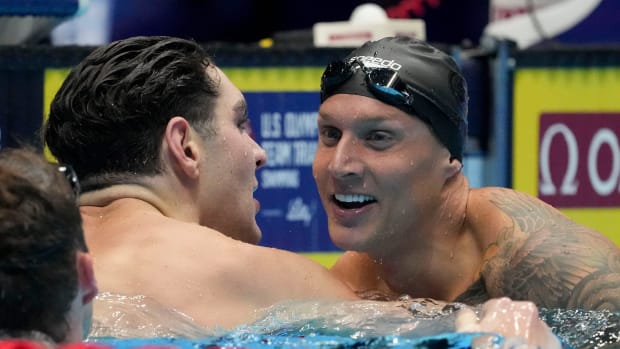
(585, 329)
(263, 341)
(409, 323)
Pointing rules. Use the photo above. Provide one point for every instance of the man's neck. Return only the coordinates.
(151, 196)
(436, 262)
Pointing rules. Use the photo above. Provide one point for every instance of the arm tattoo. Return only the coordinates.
(551, 260)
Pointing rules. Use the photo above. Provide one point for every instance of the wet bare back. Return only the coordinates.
(214, 279)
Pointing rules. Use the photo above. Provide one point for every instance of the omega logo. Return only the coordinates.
(569, 183)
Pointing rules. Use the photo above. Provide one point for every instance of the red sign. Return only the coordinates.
(579, 159)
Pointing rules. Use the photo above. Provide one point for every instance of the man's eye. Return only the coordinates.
(244, 124)
(380, 140)
(378, 136)
(329, 135)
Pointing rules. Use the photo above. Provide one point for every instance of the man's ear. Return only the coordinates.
(86, 277)
(454, 166)
(180, 141)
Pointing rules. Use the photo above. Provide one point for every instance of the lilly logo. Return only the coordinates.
(299, 211)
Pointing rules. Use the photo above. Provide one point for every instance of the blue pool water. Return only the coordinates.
(262, 341)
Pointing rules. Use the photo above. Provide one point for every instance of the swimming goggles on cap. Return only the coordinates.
(384, 83)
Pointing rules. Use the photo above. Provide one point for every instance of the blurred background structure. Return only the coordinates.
(544, 80)
(248, 21)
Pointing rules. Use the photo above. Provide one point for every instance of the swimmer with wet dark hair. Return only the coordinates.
(159, 137)
(46, 274)
(392, 128)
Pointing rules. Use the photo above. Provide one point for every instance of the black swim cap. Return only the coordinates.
(431, 83)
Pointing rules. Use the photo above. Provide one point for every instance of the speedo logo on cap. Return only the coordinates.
(377, 62)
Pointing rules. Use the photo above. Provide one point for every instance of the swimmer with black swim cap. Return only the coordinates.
(388, 168)
(411, 75)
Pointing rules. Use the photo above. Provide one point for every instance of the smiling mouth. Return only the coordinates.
(353, 201)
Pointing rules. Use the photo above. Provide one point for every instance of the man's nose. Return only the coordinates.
(345, 160)
(260, 155)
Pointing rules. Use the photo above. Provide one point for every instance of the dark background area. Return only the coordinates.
(247, 21)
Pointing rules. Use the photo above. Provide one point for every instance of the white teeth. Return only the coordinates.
(353, 198)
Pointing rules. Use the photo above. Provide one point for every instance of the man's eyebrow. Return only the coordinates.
(376, 119)
(241, 107)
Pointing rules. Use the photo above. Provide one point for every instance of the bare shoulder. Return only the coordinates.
(544, 256)
(361, 274)
(215, 279)
(298, 274)
(234, 277)
(352, 261)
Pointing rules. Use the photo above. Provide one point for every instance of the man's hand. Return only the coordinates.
(517, 321)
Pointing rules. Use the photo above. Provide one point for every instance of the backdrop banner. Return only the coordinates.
(566, 130)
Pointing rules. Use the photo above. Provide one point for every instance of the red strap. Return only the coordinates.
(21, 344)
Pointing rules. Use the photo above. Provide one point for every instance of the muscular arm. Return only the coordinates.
(547, 258)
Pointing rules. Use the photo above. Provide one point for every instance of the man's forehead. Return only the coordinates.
(359, 108)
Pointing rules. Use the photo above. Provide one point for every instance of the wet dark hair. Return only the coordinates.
(110, 114)
(40, 234)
